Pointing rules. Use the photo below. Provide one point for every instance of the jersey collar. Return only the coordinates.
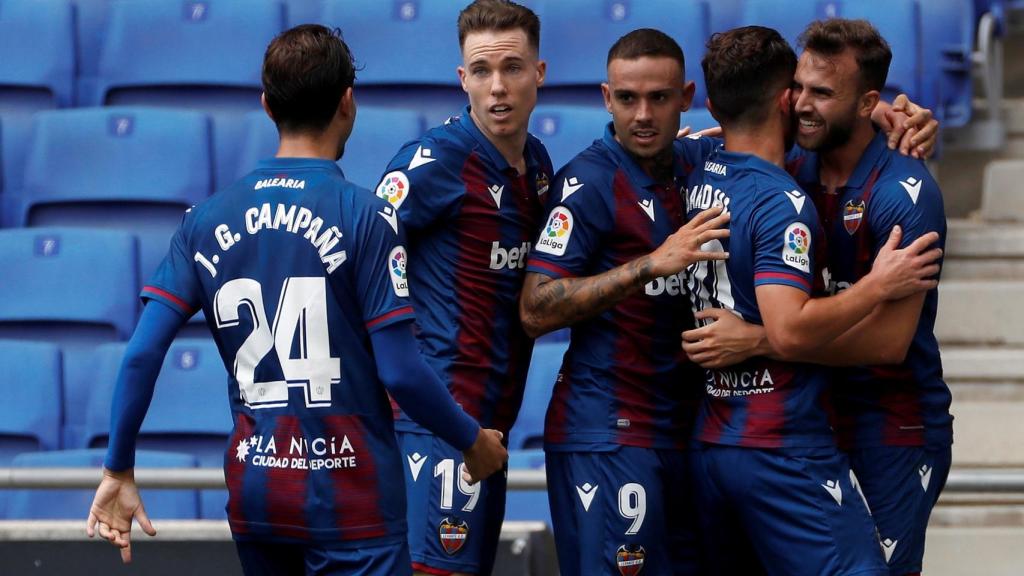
(298, 164)
(750, 161)
(626, 160)
(868, 160)
(495, 157)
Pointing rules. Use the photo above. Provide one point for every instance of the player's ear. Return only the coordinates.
(461, 70)
(688, 90)
(266, 107)
(347, 105)
(542, 71)
(785, 104)
(867, 103)
(606, 91)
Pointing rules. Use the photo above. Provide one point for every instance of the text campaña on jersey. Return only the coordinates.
(294, 219)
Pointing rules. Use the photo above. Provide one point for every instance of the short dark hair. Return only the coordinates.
(744, 70)
(499, 15)
(833, 36)
(647, 42)
(306, 71)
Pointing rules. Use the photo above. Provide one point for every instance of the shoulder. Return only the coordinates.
(780, 200)
(589, 173)
(904, 180)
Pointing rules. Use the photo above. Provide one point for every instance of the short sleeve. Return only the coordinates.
(381, 280)
(785, 229)
(694, 150)
(422, 184)
(175, 283)
(578, 217)
(907, 203)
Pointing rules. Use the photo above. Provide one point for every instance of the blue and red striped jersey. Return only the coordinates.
(471, 220)
(624, 379)
(775, 239)
(293, 268)
(905, 405)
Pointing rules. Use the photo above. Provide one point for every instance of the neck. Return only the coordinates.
(510, 147)
(658, 167)
(765, 141)
(321, 146)
(838, 164)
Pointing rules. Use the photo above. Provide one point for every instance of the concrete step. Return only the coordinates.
(970, 364)
(988, 434)
(981, 312)
(1001, 196)
(976, 249)
(984, 551)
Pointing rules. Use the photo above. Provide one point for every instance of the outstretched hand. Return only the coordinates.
(902, 272)
(116, 502)
(684, 246)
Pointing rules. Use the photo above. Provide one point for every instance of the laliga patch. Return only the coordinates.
(630, 559)
(394, 188)
(452, 532)
(853, 215)
(396, 268)
(796, 245)
(557, 232)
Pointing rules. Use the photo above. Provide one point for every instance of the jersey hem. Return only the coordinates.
(328, 538)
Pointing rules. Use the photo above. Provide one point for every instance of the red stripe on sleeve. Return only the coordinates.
(174, 299)
(384, 318)
(557, 270)
(782, 276)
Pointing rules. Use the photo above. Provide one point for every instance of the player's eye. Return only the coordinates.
(514, 68)
(479, 72)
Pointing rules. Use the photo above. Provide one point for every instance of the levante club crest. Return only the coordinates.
(453, 534)
(853, 215)
(630, 559)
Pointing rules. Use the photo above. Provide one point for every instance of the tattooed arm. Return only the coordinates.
(551, 303)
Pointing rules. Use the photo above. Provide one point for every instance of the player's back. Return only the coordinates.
(293, 266)
(761, 402)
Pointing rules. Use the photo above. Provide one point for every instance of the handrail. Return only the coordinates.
(960, 480)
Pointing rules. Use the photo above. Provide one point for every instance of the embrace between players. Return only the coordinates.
(812, 438)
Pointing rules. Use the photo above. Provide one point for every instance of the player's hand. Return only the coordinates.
(683, 247)
(901, 273)
(725, 341)
(116, 502)
(485, 457)
(709, 132)
(910, 127)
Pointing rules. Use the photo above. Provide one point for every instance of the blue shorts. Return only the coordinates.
(798, 512)
(262, 558)
(901, 485)
(622, 512)
(453, 527)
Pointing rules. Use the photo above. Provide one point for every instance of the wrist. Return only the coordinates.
(128, 474)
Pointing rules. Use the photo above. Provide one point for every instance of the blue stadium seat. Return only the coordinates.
(31, 388)
(527, 504)
(788, 17)
(189, 412)
(723, 15)
(74, 504)
(302, 12)
(36, 73)
(377, 136)
(407, 51)
(528, 431)
(134, 169)
(576, 36)
(204, 55)
(947, 60)
(899, 22)
(73, 287)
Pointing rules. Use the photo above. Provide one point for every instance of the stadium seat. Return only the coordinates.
(74, 504)
(577, 53)
(899, 22)
(189, 412)
(31, 388)
(528, 431)
(134, 169)
(36, 73)
(377, 136)
(407, 52)
(204, 55)
(947, 60)
(722, 15)
(73, 287)
(788, 17)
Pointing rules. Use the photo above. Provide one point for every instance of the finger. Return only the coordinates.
(918, 117)
(126, 554)
(704, 216)
(924, 133)
(144, 521)
(701, 359)
(929, 257)
(905, 141)
(894, 238)
(104, 531)
(899, 103)
(696, 347)
(703, 256)
(710, 313)
(695, 335)
(684, 132)
(717, 234)
(925, 150)
(928, 284)
(469, 478)
(919, 245)
(718, 221)
(90, 525)
(895, 135)
(120, 538)
(929, 271)
(710, 132)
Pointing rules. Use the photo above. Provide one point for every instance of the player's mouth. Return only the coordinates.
(500, 111)
(809, 126)
(644, 136)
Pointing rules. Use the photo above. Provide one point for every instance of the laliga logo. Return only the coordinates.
(556, 235)
(558, 225)
(394, 188)
(798, 240)
(396, 265)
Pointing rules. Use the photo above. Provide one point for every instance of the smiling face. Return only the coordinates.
(645, 97)
(826, 99)
(501, 73)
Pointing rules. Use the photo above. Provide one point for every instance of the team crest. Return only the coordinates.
(453, 533)
(542, 183)
(630, 559)
(853, 214)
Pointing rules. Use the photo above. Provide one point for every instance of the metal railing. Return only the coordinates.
(960, 480)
